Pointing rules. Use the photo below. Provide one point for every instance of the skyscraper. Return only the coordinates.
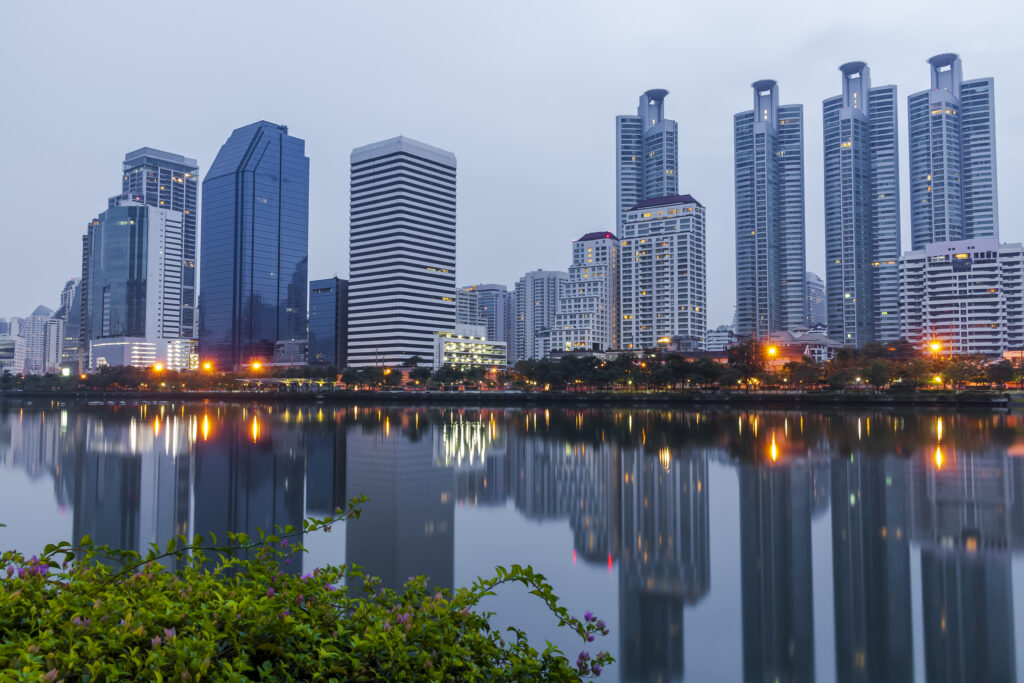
(328, 322)
(496, 310)
(34, 332)
(69, 312)
(662, 282)
(862, 210)
(770, 250)
(646, 155)
(535, 307)
(131, 299)
(815, 300)
(952, 157)
(169, 181)
(254, 245)
(588, 311)
(467, 307)
(401, 251)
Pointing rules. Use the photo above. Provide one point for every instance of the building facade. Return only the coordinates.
(465, 347)
(401, 251)
(328, 322)
(663, 281)
(952, 132)
(588, 311)
(770, 247)
(131, 297)
(467, 307)
(862, 210)
(535, 305)
(168, 181)
(967, 297)
(720, 338)
(255, 246)
(495, 306)
(34, 331)
(646, 155)
(815, 300)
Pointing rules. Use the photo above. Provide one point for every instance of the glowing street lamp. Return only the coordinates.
(207, 366)
(256, 365)
(158, 367)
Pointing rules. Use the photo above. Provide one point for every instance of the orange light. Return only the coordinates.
(935, 346)
(772, 350)
(207, 366)
(158, 367)
(255, 429)
(82, 376)
(256, 365)
(938, 457)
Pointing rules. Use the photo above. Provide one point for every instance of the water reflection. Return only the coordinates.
(923, 515)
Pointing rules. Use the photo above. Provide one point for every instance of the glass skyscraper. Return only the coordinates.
(401, 251)
(952, 157)
(168, 181)
(254, 245)
(770, 249)
(646, 155)
(328, 322)
(862, 210)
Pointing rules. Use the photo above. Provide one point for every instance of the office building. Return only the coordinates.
(535, 305)
(646, 155)
(69, 312)
(131, 298)
(34, 332)
(663, 282)
(401, 251)
(815, 300)
(952, 157)
(588, 312)
(12, 354)
(966, 296)
(467, 307)
(254, 245)
(495, 306)
(467, 347)
(770, 250)
(169, 181)
(862, 210)
(328, 322)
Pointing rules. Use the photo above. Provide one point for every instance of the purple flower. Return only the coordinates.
(595, 669)
(590, 638)
(10, 570)
(155, 642)
(170, 632)
(601, 625)
(584, 656)
(270, 592)
(589, 616)
(284, 542)
(306, 577)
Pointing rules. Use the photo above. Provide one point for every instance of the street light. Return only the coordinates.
(935, 347)
(207, 366)
(256, 365)
(158, 367)
(772, 350)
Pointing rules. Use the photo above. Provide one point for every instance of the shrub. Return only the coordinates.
(95, 613)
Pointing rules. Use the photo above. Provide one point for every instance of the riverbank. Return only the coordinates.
(804, 399)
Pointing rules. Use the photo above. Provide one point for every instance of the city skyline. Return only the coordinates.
(498, 170)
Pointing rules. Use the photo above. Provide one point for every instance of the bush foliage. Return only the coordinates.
(89, 613)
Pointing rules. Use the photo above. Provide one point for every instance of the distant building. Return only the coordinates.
(770, 247)
(966, 296)
(467, 347)
(12, 354)
(801, 342)
(646, 155)
(70, 312)
(254, 245)
(401, 251)
(131, 301)
(168, 181)
(535, 307)
(720, 338)
(816, 314)
(952, 157)
(328, 322)
(495, 306)
(663, 283)
(34, 332)
(5, 326)
(290, 352)
(588, 311)
(862, 210)
(467, 307)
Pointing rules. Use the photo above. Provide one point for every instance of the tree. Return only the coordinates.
(393, 377)
(879, 372)
(747, 359)
(1000, 373)
(415, 360)
(420, 375)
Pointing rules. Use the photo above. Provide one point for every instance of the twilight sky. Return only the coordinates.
(524, 93)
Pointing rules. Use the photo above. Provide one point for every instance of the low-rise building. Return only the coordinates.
(963, 297)
(720, 338)
(466, 347)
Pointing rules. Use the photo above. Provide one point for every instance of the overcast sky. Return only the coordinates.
(524, 93)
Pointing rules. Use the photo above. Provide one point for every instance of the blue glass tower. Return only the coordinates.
(328, 322)
(255, 237)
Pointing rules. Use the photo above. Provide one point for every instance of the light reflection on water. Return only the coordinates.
(793, 546)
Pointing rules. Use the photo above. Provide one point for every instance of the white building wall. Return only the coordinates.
(587, 316)
(536, 305)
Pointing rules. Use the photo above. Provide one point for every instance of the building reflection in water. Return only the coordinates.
(407, 527)
(871, 569)
(249, 476)
(632, 486)
(776, 500)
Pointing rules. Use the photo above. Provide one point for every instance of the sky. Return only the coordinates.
(524, 93)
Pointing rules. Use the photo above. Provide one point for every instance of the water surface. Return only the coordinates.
(719, 545)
